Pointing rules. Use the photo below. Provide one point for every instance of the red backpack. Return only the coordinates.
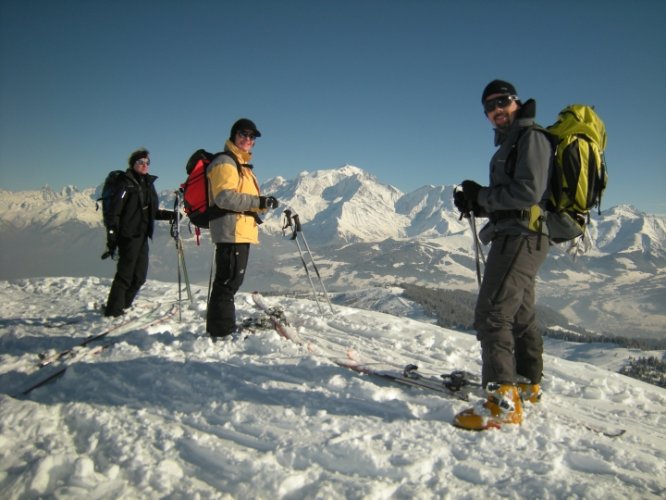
(195, 189)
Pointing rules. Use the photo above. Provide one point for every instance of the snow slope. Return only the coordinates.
(164, 412)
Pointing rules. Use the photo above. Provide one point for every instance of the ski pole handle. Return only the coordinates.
(289, 224)
(287, 216)
(458, 192)
(175, 223)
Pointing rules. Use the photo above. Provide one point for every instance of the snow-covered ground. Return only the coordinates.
(165, 412)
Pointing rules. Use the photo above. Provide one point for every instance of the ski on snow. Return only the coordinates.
(450, 384)
(458, 384)
(277, 318)
(68, 357)
(47, 358)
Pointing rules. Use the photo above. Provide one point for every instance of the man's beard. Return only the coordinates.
(504, 125)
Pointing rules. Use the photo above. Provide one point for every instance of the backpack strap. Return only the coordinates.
(234, 158)
(511, 161)
(512, 157)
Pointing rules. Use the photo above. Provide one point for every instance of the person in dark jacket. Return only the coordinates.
(514, 201)
(135, 208)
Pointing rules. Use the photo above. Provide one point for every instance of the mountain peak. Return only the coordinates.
(348, 169)
(344, 204)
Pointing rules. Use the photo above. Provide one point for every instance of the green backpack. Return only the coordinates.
(579, 175)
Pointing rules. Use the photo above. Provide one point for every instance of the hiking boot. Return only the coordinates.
(503, 406)
(220, 338)
(236, 334)
(530, 393)
(112, 313)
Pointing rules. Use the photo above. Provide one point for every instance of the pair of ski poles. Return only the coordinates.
(478, 251)
(292, 221)
(182, 267)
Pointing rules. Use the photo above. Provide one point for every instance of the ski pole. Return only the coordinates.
(299, 230)
(210, 277)
(182, 256)
(477, 240)
(174, 234)
(294, 237)
(478, 251)
(181, 251)
(182, 265)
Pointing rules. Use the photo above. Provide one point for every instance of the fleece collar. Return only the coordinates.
(243, 156)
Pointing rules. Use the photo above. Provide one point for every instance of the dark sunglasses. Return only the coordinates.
(247, 135)
(498, 102)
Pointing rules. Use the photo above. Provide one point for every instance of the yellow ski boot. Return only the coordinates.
(503, 406)
(530, 393)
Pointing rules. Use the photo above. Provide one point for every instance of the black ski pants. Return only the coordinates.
(230, 264)
(505, 318)
(131, 274)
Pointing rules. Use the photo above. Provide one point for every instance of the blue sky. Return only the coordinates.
(390, 86)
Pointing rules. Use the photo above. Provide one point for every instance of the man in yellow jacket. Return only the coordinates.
(235, 189)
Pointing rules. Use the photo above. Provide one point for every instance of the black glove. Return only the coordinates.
(465, 200)
(167, 215)
(111, 243)
(112, 239)
(460, 202)
(268, 202)
(471, 191)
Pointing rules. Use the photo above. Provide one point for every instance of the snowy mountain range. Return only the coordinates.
(363, 233)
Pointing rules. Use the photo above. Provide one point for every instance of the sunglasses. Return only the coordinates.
(143, 161)
(498, 102)
(247, 135)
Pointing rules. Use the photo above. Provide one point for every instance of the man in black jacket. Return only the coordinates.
(514, 200)
(135, 207)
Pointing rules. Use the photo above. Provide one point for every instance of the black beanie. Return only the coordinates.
(243, 124)
(498, 87)
(137, 155)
